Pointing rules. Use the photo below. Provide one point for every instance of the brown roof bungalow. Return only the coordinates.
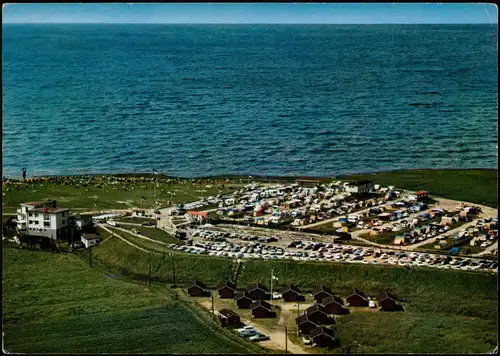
(334, 305)
(421, 194)
(243, 301)
(262, 309)
(292, 294)
(324, 337)
(198, 289)
(318, 315)
(258, 291)
(388, 302)
(321, 293)
(357, 299)
(199, 214)
(229, 318)
(227, 290)
(304, 324)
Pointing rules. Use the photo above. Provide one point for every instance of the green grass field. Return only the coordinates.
(136, 219)
(53, 303)
(433, 297)
(472, 185)
(152, 233)
(108, 196)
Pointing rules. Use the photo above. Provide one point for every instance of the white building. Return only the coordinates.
(42, 219)
(104, 217)
(90, 239)
(360, 187)
(143, 213)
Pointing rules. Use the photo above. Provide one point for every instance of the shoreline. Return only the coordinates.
(247, 176)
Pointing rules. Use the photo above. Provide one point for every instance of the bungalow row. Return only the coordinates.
(335, 305)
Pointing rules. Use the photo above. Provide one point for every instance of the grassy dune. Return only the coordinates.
(472, 185)
(108, 196)
(53, 303)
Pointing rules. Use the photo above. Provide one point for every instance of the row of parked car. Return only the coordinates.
(222, 236)
(252, 333)
(319, 251)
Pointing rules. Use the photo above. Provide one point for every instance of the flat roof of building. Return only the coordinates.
(48, 210)
(91, 236)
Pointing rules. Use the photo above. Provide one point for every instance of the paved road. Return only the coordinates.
(487, 250)
(127, 223)
(165, 222)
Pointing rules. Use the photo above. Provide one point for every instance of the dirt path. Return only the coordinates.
(277, 339)
(128, 223)
(165, 222)
(140, 236)
(124, 240)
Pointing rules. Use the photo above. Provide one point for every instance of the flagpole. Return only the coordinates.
(272, 276)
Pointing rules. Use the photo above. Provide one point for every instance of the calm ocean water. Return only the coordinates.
(198, 100)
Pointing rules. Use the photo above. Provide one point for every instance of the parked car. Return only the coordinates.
(246, 327)
(259, 337)
(248, 332)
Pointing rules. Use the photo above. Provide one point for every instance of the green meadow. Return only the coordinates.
(54, 303)
(478, 186)
(463, 306)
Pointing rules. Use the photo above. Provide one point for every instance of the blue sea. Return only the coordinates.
(200, 100)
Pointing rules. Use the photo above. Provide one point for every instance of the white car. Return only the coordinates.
(246, 327)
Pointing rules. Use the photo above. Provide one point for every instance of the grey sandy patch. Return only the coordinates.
(127, 202)
(109, 275)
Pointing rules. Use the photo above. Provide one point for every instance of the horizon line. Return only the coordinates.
(244, 23)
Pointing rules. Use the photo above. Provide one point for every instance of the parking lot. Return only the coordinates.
(246, 246)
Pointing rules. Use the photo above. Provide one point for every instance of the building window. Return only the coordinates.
(36, 222)
(46, 217)
(36, 215)
(46, 223)
(64, 222)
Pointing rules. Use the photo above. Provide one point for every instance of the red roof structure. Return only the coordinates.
(198, 213)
